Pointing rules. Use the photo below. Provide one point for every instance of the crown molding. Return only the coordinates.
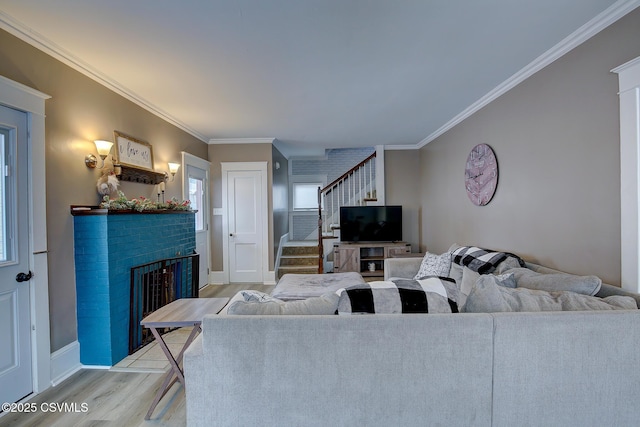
(40, 42)
(217, 141)
(624, 67)
(575, 39)
(399, 147)
(582, 34)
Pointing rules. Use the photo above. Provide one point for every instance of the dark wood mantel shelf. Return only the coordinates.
(85, 210)
(143, 176)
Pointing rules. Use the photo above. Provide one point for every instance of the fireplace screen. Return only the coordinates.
(155, 285)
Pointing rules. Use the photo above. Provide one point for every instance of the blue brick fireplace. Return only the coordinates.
(107, 245)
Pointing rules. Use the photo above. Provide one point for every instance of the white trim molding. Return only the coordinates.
(629, 92)
(65, 362)
(268, 277)
(31, 101)
(581, 35)
(217, 141)
(187, 160)
(38, 41)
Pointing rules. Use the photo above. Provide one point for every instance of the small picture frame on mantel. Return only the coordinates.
(133, 152)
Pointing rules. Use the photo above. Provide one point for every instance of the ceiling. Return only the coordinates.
(312, 74)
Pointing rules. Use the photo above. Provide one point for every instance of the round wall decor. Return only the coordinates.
(481, 174)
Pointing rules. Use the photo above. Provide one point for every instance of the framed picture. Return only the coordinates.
(133, 152)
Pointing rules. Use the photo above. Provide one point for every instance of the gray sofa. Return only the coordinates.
(465, 369)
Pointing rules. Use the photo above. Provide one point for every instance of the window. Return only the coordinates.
(196, 196)
(305, 195)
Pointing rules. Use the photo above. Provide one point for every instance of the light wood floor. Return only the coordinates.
(113, 398)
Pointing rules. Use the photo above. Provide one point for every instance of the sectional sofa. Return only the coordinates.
(561, 368)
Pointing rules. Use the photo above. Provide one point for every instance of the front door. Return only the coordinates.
(15, 319)
(197, 193)
(245, 208)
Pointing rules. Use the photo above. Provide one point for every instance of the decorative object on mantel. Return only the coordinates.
(132, 174)
(142, 204)
(108, 182)
(133, 152)
(134, 161)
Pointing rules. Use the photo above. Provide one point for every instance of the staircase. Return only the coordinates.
(356, 187)
(299, 258)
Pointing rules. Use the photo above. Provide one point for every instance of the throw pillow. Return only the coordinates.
(469, 278)
(586, 285)
(509, 263)
(456, 272)
(483, 261)
(487, 296)
(322, 305)
(479, 260)
(434, 265)
(429, 295)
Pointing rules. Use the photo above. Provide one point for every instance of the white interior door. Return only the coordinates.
(15, 332)
(197, 180)
(246, 223)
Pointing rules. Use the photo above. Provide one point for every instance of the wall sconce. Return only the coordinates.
(103, 148)
(173, 169)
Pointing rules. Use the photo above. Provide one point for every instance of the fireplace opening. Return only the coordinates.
(155, 285)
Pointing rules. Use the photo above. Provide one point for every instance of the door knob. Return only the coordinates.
(230, 234)
(24, 277)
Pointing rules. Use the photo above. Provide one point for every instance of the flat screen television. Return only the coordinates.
(371, 223)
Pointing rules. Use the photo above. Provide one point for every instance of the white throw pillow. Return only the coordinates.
(434, 265)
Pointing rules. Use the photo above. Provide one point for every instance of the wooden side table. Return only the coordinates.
(177, 314)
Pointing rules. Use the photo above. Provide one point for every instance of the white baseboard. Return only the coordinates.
(65, 362)
(270, 278)
(217, 278)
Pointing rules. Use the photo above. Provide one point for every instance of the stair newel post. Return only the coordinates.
(320, 245)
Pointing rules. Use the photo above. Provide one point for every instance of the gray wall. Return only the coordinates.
(333, 164)
(219, 153)
(280, 198)
(556, 137)
(402, 187)
(79, 112)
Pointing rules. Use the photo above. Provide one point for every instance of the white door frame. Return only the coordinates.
(31, 101)
(629, 92)
(263, 214)
(197, 162)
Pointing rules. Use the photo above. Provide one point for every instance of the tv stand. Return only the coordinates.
(366, 258)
